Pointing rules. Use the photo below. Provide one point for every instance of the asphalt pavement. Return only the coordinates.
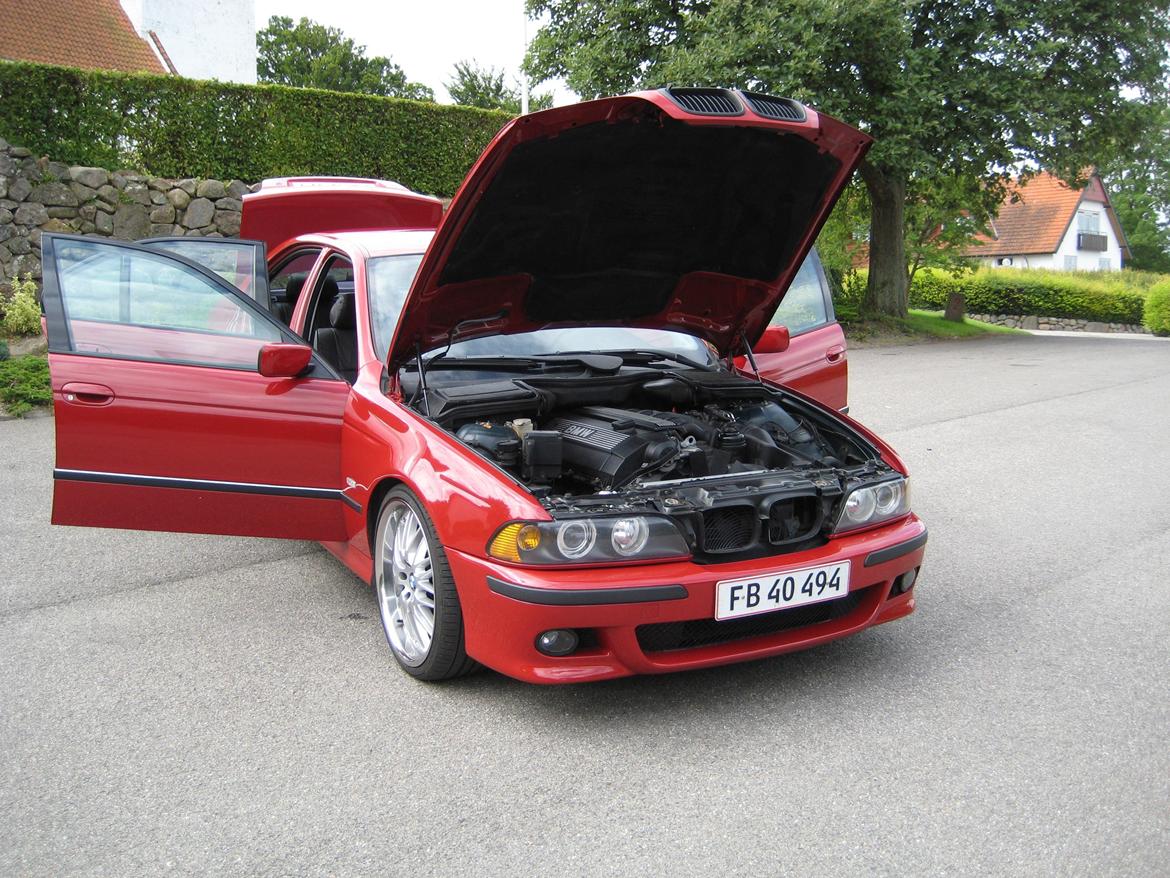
(202, 705)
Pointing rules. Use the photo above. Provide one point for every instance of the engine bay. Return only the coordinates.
(743, 469)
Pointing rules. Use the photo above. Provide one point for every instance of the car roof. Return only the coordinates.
(373, 243)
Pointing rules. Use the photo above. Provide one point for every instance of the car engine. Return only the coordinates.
(742, 468)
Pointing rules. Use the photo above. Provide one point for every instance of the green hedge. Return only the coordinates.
(1039, 293)
(1157, 316)
(174, 127)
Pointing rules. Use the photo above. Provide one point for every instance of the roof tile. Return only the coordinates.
(91, 34)
(1032, 219)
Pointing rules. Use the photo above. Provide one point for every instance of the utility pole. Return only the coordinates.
(523, 75)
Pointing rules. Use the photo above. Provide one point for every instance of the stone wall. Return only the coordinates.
(38, 195)
(1063, 324)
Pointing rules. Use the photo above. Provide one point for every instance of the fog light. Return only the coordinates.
(559, 641)
(905, 582)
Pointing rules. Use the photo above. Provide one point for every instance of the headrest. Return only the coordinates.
(328, 288)
(342, 315)
(292, 287)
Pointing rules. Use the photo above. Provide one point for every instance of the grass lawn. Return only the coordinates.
(932, 323)
(24, 383)
(921, 325)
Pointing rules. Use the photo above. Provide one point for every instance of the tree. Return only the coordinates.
(950, 89)
(1138, 183)
(484, 87)
(943, 216)
(310, 55)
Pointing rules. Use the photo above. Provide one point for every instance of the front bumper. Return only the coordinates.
(505, 607)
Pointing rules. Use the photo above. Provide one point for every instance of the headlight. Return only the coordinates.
(873, 504)
(589, 540)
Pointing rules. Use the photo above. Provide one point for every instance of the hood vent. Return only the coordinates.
(706, 101)
(769, 107)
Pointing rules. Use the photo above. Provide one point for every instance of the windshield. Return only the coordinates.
(582, 339)
(388, 280)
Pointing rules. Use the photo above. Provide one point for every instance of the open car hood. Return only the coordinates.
(681, 209)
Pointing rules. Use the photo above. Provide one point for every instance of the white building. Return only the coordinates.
(1047, 224)
(199, 39)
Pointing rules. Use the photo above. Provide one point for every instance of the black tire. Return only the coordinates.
(445, 657)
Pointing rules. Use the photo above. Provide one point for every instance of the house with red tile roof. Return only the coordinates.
(199, 39)
(90, 34)
(1045, 223)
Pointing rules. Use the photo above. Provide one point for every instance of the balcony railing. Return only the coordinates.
(1090, 241)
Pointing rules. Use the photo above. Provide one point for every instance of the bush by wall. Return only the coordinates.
(1157, 316)
(22, 313)
(175, 127)
(1039, 293)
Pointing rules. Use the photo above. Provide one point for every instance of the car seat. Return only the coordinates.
(292, 291)
(338, 343)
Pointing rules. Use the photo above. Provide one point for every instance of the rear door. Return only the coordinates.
(163, 420)
(815, 362)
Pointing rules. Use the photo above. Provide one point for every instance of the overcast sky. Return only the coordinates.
(424, 37)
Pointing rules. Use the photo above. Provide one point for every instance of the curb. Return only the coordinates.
(35, 414)
(1128, 336)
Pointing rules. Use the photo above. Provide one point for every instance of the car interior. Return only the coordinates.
(287, 280)
(332, 323)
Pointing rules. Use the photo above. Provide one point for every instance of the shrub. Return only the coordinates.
(24, 383)
(22, 313)
(1157, 316)
(175, 127)
(848, 291)
(1031, 292)
(4, 354)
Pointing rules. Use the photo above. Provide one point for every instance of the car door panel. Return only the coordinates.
(172, 427)
(815, 364)
(815, 361)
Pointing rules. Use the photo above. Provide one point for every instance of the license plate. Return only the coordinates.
(780, 590)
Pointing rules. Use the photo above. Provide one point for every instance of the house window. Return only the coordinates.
(1105, 263)
(1070, 263)
(1088, 222)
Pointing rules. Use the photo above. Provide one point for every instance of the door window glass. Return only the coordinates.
(240, 263)
(288, 280)
(125, 302)
(803, 306)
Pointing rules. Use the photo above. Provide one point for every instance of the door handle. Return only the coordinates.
(835, 353)
(79, 393)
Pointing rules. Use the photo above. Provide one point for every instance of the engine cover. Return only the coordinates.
(608, 447)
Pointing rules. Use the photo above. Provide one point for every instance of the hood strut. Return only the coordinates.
(747, 349)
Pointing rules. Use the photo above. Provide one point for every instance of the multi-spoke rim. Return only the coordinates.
(406, 584)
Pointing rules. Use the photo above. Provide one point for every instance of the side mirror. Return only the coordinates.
(774, 341)
(283, 360)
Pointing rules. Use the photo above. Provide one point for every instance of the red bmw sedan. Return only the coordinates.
(537, 425)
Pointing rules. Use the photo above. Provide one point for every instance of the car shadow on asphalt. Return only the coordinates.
(812, 680)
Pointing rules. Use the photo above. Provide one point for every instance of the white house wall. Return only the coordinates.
(1089, 260)
(205, 39)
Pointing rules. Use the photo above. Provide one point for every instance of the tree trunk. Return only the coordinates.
(887, 292)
